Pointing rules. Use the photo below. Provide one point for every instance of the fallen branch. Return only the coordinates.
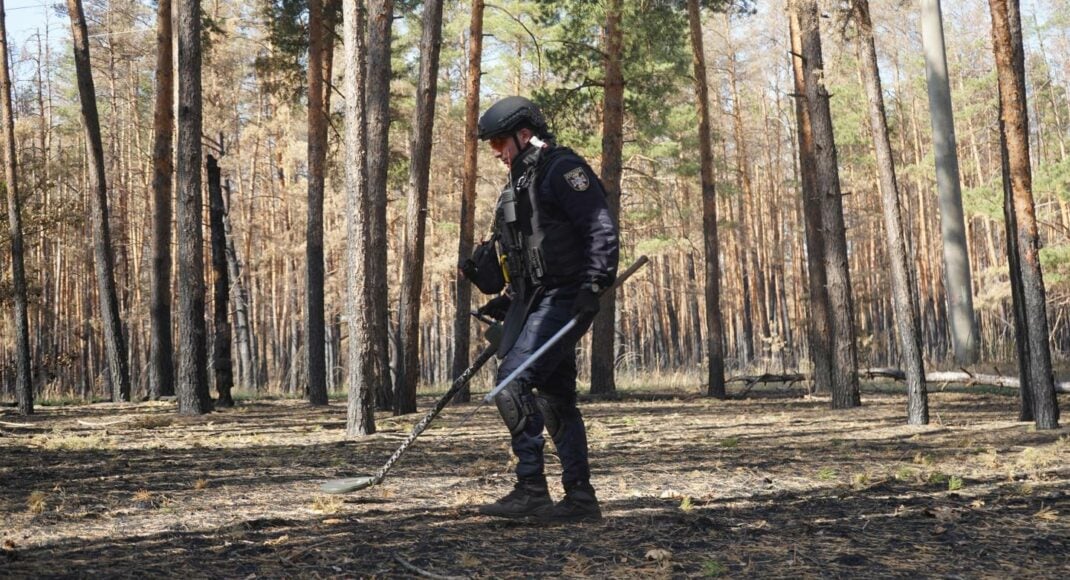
(23, 425)
(104, 424)
(946, 377)
(423, 572)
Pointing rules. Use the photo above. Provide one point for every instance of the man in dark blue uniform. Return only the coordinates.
(558, 245)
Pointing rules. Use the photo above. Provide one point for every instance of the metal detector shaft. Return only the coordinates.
(353, 484)
(561, 333)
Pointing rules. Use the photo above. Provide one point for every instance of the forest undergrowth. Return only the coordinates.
(774, 485)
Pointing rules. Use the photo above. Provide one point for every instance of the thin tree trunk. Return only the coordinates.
(714, 325)
(408, 375)
(114, 343)
(603, 335)
(905, 314)
(1010, 68)
(162, 366)
(240, 297)
(381, 17)
(317, 155)
(953, 225)
(462, 320)
(23, 380)
(827, 186)
(222, 367)
(192, 376)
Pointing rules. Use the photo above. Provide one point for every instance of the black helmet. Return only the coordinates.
(510, 114)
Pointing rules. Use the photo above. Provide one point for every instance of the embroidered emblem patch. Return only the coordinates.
(577, 179)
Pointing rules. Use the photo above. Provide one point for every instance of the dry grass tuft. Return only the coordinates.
(62, 442)
(327, 504)
(200, 484)
(36, 503)
(152, 422)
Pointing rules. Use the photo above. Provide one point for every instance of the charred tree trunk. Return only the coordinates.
(408, 376)
(192, 380)
(316, 365)
(462, 320)
(23, 380)
(714, 325)
(162, 365)
(222, 366)
(1010, 68)
(845, 392)
(114, 343)
(906, 317)
(380, 21)
(603, 337)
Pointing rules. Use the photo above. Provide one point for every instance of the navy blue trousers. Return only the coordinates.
(552, 377)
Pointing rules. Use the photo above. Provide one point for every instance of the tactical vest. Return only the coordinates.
(540, 246)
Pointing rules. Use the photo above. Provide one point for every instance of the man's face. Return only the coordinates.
(505, 149)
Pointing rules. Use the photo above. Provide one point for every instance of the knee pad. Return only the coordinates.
(515, 406)
(556, 411)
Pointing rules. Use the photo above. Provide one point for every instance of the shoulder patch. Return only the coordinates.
(577, 179)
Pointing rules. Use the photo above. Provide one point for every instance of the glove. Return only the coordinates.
(586, 303)
(496, 308)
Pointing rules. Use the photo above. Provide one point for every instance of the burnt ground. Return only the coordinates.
(776, 485)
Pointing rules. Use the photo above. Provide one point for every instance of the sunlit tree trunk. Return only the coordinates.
(827, 187)
(964, 335)
(603, 337)
(462, 320)
(903, 292)
(316, 365)
(114, 343)
(1010, 68)
(23, 380)
(714, 330)
(192, 380)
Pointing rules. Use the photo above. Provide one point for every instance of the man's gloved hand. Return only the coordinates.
(586, 303)
(496, 308)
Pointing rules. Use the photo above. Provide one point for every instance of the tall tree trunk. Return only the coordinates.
(827, 187)
(316, 366)
(222, 367)
(192, 379)
(906, 317)
(964, 337)
(380, 21)
(462, 320)
(23, 380)
(603, 337)
(114, 343)
(240, 297)
(819, 327)
(714, 325)
(1010, 68)
(162, 366)
(408, 376)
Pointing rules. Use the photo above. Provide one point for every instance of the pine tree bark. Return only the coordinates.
(714, 324)
(222, 366)
(316, 364)
(162, 365)
(408, 376)
(380, 22)
(819, 325)
(906, 317)
(845, 392)
(239, 296)
(603, 337)
(1010, 69)
(104, 261)
(964, 333)
(192, 375)
(462, 321)
(23, 380)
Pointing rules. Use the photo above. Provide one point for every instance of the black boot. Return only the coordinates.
(527, 498)
(579, 505)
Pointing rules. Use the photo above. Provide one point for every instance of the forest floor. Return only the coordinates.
(775, 485)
